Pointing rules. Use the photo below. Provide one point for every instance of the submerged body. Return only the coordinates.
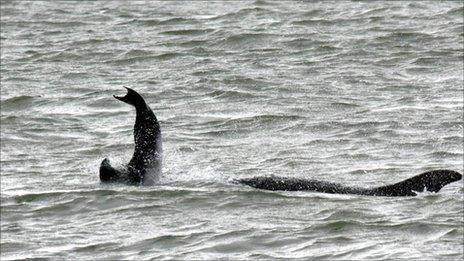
(145, 166)
(431, 181)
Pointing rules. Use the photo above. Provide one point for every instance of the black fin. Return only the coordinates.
(431, 181)
(108, 173)
(132, 98)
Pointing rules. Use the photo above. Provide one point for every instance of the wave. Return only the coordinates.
(245, 40)
(21, 102)
(188, 32)
(444, 154)
(157, 22)
(242, 13)
(405, 35)
(456, 11)
(130, 59)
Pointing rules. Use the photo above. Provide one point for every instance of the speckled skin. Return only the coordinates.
(145, 166)
(431, 181)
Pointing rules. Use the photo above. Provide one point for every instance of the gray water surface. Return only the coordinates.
(361, 93)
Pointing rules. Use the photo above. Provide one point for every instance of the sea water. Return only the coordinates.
(360, 93)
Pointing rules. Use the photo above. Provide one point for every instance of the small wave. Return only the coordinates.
(356, 126)
(209, 72)
(143, 22)
(415, 226)
(49, 23)
(314, 21)
(178, 20)
(344, 105)
(105, 246)
(197, 174)
(190, 32)
(454, 139)
(426, 61)
(230, 94)
(246, 40)
(242, 13)
(265, 3)
(75, 75)
(244, 81)
(64, 24)
(19, 103)
(33, 197)
(155, 22)
(64, 206)
(39, 196)
(380, 12)
(304, 43)
(69, 199)
(95, 41)
(354, 156)
(444, 154)
(197, 45)
(405, 36)
(101, 103)
(137, 52)
(17, 99)
(33, 55)
(327, 48)
(456, 11)
(62, 56)
(263, 119)
(144, 58)
(312, 13)
(340, 225)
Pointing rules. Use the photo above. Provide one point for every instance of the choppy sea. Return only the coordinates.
(356, 92)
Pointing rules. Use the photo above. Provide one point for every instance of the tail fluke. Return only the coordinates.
(431, 181)
(132, 98)
(108, 173)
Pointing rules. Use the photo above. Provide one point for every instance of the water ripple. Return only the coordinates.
(363, 94)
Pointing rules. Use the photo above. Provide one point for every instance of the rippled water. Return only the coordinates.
(352, 92)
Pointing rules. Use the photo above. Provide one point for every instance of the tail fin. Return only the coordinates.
(431, 181)
(132, 98)
(107, 172)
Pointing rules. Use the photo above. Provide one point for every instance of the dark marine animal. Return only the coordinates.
(431, 181)
(145, 166)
